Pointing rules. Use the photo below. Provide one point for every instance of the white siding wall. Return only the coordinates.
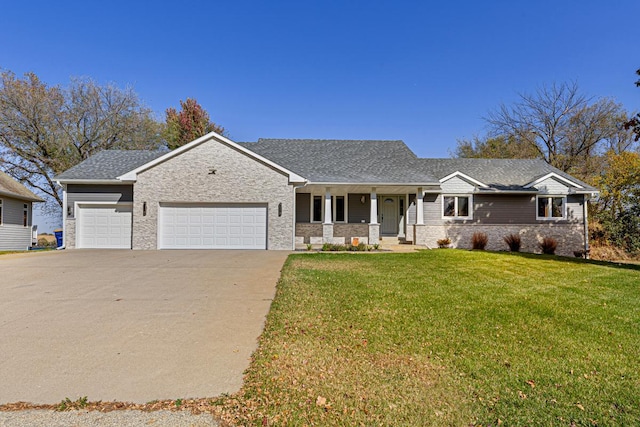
(13, 235)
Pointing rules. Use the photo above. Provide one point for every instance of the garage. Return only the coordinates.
(212, 226)
(104, 226)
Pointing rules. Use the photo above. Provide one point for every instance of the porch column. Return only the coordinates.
(373, 212)
(327, 207)
(420, 207)
(374, 227)
(327, 224)
(418, 229)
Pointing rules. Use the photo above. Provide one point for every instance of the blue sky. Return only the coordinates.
(421, 71)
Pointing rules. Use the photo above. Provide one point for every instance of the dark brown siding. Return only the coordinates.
(357, 210)
(98, 193)
(303, 207)
(504, 209)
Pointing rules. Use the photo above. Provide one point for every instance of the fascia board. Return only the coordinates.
(465, 177)
(555, 176)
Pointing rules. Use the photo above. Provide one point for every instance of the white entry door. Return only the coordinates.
(103, 226)
(202, 226)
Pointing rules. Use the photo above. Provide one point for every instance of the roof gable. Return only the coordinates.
(11, 188)
(212, 136)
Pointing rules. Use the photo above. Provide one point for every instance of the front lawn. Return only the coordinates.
(446, 337)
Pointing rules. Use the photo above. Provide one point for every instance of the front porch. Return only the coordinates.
(346, 214)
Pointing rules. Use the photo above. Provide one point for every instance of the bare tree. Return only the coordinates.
(45, 130)
(560, 123)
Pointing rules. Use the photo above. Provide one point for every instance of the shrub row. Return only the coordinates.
(479, 241)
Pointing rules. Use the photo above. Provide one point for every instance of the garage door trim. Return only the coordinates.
(78, 218)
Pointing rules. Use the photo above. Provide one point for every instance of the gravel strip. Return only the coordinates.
(109, 419)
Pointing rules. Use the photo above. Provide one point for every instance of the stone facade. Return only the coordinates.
(570, 236)
(238, 179)
(70, 234)
(339, 233)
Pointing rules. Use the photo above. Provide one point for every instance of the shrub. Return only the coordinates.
(444, 243)
(513, 241)
(479, 240)
(548, 245)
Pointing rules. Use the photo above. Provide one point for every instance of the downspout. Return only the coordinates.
(586, 225)
(64, 216)
(293, 237)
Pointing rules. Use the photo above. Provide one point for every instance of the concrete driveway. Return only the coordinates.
(130, 325)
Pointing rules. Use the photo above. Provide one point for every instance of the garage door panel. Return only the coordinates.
(213, 227)
(104, 226)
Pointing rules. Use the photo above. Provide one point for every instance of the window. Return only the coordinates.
(338, 203)
(25, 214)
(551, 207)
(317, 209)
(0, 211)
(456, 207)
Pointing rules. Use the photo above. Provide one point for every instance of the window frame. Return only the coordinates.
(333, 208)
(457, 217)
(1, 213)
(312, 216)
(550, 198)
(25, 214)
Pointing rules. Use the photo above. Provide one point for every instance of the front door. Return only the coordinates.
(389, 216)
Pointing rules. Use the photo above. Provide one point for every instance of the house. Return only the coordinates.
(279, 193)
(16, 209)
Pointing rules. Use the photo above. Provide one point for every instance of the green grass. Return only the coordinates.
(447, 337)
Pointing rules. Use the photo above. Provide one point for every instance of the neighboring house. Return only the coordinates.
(274, 193)
(16, 208)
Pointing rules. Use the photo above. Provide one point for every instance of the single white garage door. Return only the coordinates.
(104, 226)
(212, 227)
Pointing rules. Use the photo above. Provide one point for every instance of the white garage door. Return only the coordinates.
(212, 227)
(104, 226)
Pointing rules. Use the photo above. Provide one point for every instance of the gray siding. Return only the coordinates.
(552, 186)
(303, 207)
(14, 236)
(358, 211)
(492, 209)
(12, 210)
(457, 185)
(97, 193)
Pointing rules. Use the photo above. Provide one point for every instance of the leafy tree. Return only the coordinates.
(634, 123)
(618, 207)
(45, 130)
(190, 123)
(561, 124)
(500, 147)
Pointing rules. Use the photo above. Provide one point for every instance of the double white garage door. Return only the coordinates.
(212, 227)
(183, 226)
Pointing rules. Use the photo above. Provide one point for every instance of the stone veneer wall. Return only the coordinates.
(343, 232)
(570, 237)
(238, 179)
(70, 234)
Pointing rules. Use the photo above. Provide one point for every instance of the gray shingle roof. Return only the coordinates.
(344, 161)
(109, 164)
(501, 174)
(11, 187)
